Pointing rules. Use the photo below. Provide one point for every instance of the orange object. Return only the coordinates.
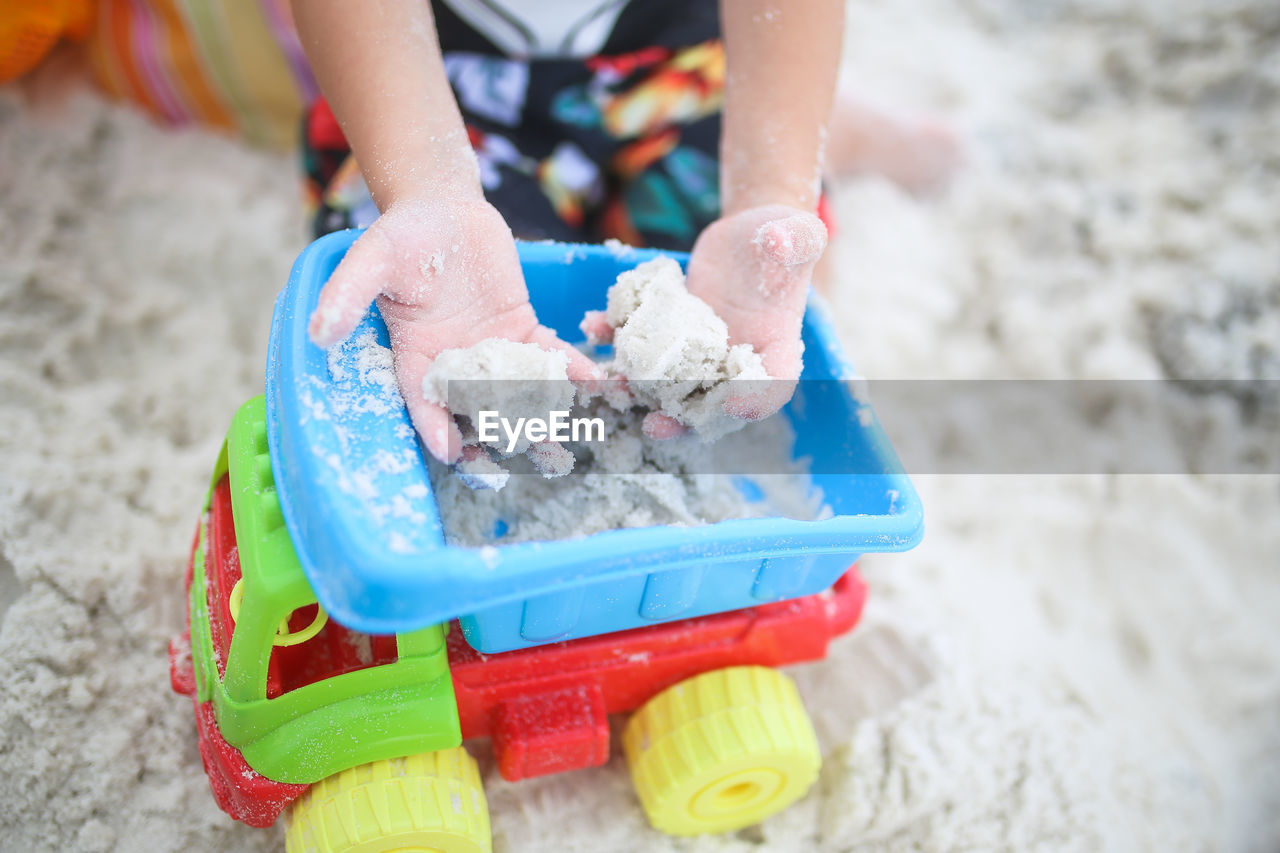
(29, 30)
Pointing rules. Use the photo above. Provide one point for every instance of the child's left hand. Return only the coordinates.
(754, 268)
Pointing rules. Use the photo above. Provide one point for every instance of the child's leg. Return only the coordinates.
(920, 155)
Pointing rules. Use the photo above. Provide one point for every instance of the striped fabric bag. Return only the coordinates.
(230, 64)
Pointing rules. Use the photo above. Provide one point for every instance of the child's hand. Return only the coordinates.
(446, 276)
(754, 268)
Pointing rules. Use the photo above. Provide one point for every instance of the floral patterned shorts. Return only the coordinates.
(623, 146)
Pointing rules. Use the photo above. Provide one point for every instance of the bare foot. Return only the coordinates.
(919, 155)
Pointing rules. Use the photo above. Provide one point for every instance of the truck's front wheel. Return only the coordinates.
(432, 801)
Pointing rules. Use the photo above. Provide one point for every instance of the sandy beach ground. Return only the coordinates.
(1066, 663)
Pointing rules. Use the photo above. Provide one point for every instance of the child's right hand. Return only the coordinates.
(446, 275)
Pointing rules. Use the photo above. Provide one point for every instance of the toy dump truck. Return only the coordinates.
(339, 652)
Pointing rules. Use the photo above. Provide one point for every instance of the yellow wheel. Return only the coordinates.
(428, 802)
(721, 751)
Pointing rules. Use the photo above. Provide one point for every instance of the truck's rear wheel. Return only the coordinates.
(721, 751)
(428, 802)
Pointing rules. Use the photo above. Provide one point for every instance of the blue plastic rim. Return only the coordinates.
(358, 503)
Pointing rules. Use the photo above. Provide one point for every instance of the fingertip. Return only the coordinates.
(763, 400)
(773, 240)
(596, 328)
(661, 427)
(757, 399)
(747, 407)
(551, 459)
(793, 240)
(327, 325)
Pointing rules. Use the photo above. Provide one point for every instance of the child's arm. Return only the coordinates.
(380, 67)
(782, 60)
(755, 263)
(441, 260)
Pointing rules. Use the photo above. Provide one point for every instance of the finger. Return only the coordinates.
(582, 370)
(435, 425)
(596, 328)
(440, 435)
(756, 399)
(764, 398)
(551, 458)
(359, 278)
(792, 240)
(662, 427)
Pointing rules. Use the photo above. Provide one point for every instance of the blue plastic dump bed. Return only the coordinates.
(356, 497)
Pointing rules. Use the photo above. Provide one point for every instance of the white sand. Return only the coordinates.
(1064, 664)
(631, 480)
(514, 380)
(674, 351)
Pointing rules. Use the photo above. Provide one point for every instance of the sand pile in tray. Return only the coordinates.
(631, 480)
(1066, 663)
(497, 377)
(674, 354)
(674, 351)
